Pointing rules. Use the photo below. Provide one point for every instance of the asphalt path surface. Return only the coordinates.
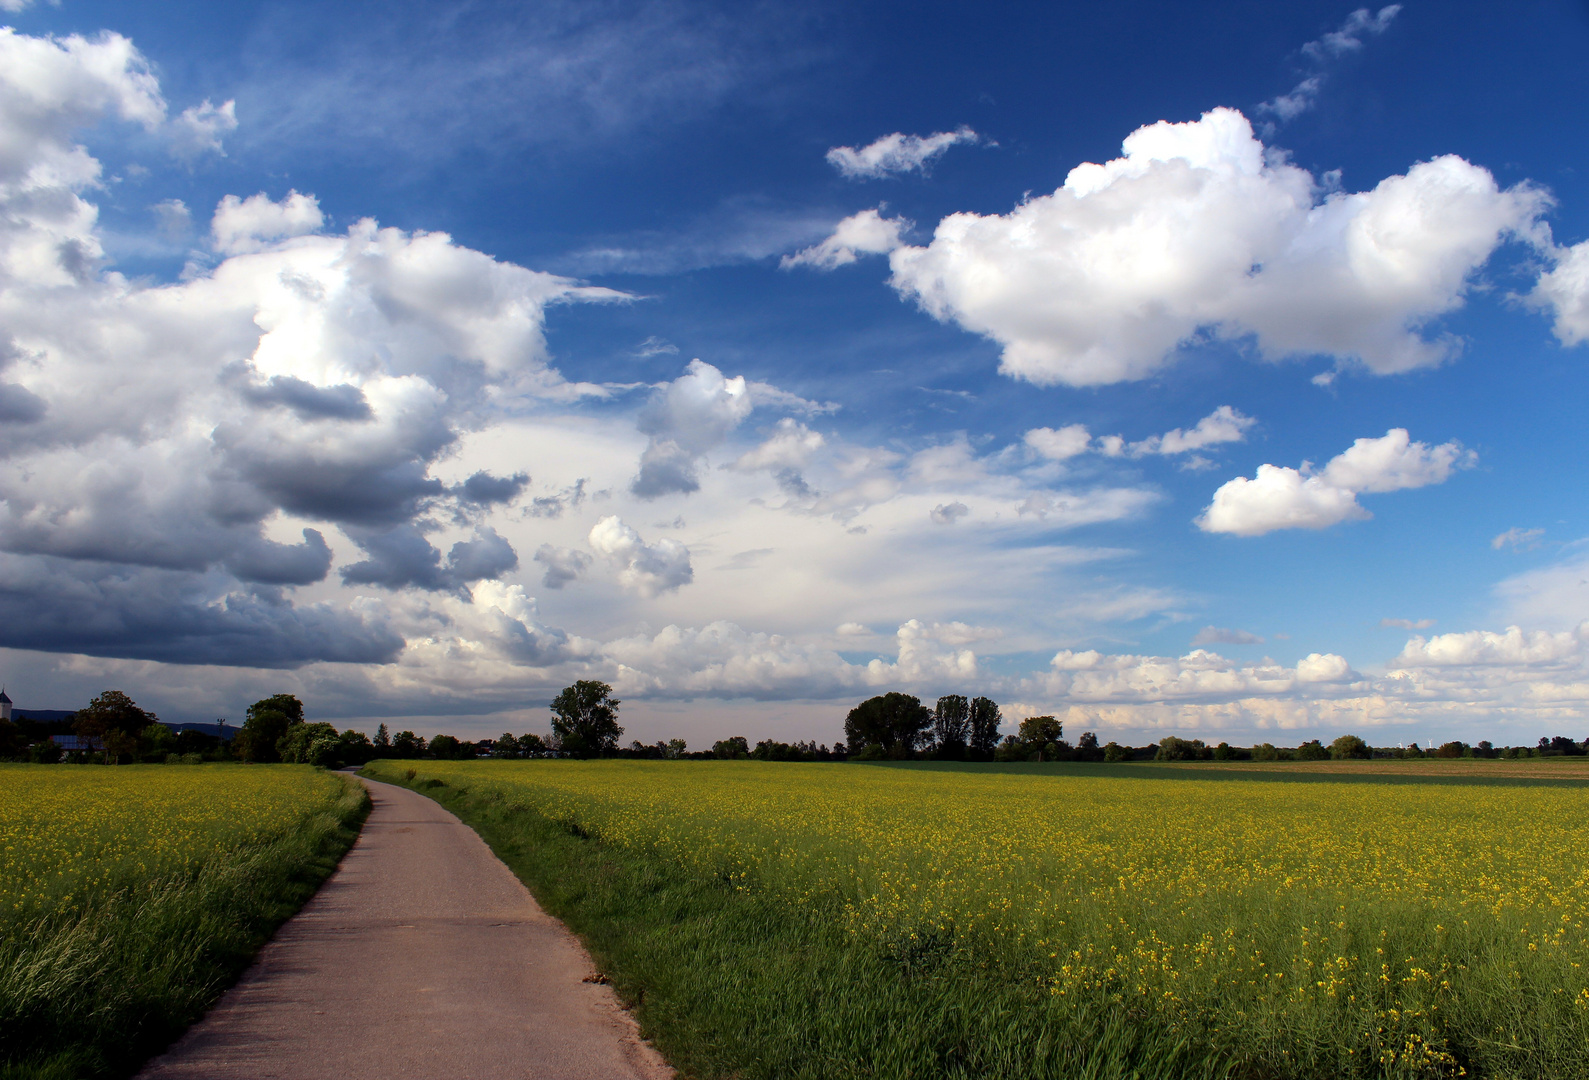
(421, 957)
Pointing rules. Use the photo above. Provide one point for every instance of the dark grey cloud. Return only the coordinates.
(487, 557)
(343, 401)
(270, 563)
(371, 475)
(402, 558)
(666, 468)
(145, 614)
(19, 405)
(359, 493)
(563, 565)
(483, 489)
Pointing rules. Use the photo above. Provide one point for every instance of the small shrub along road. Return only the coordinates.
(778, 920)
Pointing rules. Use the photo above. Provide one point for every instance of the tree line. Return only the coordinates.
(113, 729)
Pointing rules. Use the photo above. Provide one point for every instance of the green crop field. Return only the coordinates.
(782, 920)
(131, 896)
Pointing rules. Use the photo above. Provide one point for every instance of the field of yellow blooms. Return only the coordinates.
(70, 835)
(130, 896)
(1305, 928)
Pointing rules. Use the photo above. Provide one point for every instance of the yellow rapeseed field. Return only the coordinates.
(70, 834)
(1327, 920)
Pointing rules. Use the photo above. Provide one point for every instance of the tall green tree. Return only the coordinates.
(1348, 747)
(585, 719)
(894, 722)
(267, 724)
(951, 726)
(984, 721)
(116, 721)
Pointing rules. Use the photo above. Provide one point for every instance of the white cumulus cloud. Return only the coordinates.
(244, 225)
(1198, 227)
(1564, 291)
(1059, 444)
(1224, 425)
(1279, 497)
(644, 569)
(895, 154)
(684, 419)
(866, 233)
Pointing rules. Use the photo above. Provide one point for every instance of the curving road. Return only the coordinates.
(422, 957)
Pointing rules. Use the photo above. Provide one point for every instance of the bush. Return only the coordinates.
(1312, 750)
(1349, 747)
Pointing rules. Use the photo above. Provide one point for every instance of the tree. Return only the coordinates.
(1349, 747)
(1174, 749)
(382, 741)
(115, 721)
(984, 721)
(261, 736)
(1042, 737)
(676, 748)
(1114, 752)
(1312, 750)
(309, 744)
(267, 723)
(585, 719)
(1087, 748)
(951, 726)
(447, 747)
(893, 721)
(354, 748)
(282, 703)
(157, 741)
(405, 744)
(735, 747)
(532, 746)
(506, 746)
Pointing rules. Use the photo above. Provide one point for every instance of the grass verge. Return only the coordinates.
(95, 992)
(728, 981)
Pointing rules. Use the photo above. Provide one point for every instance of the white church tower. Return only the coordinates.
(5, 705)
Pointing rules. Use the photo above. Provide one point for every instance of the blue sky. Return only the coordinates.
(432, 281)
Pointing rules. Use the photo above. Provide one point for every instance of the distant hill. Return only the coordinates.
(44, 716)
(215, 731)
(57, 717)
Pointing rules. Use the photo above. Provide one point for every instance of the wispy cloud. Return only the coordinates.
(738, 231)
(896, 154)
(1359, 26)
(1518, 539)
(423, 81)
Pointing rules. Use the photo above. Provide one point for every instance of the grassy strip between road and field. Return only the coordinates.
(134, 896)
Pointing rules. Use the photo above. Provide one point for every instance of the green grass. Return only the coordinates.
(93, 989)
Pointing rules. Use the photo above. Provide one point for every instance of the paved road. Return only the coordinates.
(422, 957)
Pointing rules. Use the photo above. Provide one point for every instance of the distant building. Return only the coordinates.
(5, 705)
(76, 742)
